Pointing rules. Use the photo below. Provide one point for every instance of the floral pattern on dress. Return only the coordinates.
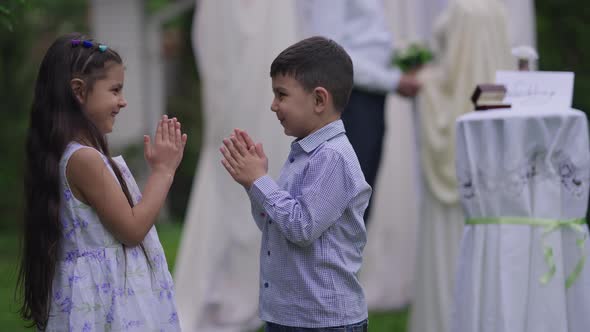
(101, 286)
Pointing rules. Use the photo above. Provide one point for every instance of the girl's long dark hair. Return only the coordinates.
(56, 119)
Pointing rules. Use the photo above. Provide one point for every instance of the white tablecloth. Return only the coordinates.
(531, 164)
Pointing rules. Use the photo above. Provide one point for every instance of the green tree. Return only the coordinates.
(27, 28)
(185, 103)
(32, 26)
(562, 28)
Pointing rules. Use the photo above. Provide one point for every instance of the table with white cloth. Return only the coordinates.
(523, 179)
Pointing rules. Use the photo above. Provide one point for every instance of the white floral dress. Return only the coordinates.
(101, 286)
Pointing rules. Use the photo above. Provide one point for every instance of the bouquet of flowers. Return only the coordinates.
(412, 57)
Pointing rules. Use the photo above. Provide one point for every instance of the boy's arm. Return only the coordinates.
(258, 213)
(327, 191)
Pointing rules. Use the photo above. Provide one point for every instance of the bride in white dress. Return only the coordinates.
(474, 42)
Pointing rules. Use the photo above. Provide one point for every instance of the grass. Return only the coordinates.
(169, 236)
(9, 319)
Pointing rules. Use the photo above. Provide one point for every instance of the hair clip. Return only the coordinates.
(75, 42)
(87, 44)
(102, 48)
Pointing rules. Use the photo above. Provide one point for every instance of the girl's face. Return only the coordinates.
(104, 101)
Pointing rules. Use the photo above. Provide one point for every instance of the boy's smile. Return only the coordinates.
(294, 107)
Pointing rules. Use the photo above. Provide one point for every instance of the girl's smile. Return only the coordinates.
(105, 98)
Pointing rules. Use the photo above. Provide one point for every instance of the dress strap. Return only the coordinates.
(72, 148)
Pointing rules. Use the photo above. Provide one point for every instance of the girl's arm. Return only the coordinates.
(93, 183)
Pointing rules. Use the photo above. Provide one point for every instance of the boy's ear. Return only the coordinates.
(79, 89)
(321, 96)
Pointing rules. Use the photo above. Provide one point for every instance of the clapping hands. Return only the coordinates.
(243, 159)
(165, 153)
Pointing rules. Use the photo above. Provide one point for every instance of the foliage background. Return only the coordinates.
(562, 41)
(27, 27)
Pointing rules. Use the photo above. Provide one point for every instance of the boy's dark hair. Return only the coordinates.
(317, 61)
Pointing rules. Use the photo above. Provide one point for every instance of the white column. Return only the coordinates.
(120, 25)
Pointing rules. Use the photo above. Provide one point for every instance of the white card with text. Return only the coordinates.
(537, 89)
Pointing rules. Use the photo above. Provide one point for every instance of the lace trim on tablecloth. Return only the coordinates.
(536, 167)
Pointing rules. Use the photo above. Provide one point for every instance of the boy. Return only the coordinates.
(311, 219)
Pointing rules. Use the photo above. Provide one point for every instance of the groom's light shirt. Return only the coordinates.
(360, 27)
(313, 233)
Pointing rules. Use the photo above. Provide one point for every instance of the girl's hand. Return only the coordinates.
(165, 153)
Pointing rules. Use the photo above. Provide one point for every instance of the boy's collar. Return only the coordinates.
(313, 140)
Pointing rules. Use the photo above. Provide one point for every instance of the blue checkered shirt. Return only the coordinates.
(313, 233)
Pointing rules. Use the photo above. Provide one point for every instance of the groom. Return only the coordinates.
(360, 27)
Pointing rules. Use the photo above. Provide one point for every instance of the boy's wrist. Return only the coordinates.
(248, 185)
(261, 189)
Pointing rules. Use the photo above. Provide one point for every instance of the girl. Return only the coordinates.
(92, 260)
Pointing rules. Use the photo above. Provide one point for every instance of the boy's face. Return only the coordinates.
(294, 106)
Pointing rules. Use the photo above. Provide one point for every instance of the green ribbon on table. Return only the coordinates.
(549, 225)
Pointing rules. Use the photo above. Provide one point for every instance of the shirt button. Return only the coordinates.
(291, 160)
(266, 285)
(268, 252)
(270, 222)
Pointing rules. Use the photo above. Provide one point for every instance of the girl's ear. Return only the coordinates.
(79, 89)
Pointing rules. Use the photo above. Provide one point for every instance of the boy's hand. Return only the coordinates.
(244, 160)
(243, 137)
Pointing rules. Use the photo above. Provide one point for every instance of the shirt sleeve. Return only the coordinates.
(327, 190)
(372, 76)
(258, 213)
(359, 27)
